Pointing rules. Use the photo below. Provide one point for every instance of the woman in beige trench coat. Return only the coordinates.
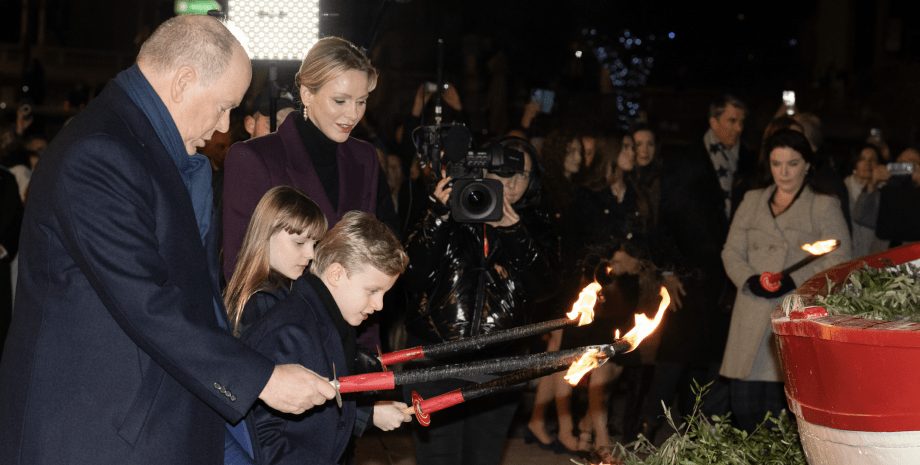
(767, 234)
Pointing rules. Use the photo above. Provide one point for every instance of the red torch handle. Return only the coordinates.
(369, 382)
(423, 408)
(770, 281)
(402, 356)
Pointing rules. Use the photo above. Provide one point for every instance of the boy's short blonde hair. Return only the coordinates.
(357, 240)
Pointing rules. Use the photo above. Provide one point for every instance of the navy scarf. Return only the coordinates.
(196, 169)
(196, 174)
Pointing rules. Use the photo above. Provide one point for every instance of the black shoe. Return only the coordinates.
(556, 447)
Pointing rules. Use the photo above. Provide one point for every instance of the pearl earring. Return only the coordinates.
(305, 113)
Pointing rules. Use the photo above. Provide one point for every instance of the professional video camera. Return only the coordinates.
(473, 199)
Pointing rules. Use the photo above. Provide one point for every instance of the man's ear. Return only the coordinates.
(713, 122)
(250, 124)
(334, 274)
(182, 82)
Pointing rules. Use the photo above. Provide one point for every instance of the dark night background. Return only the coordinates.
(853, 63)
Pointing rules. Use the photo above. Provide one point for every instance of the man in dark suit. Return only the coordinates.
(695, 214)
(118, 351)
(10, 223)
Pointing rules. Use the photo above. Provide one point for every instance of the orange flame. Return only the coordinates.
(580, 368)
(585, 304)
(645, 326)
(820, 247)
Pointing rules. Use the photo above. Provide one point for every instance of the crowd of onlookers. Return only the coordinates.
(604, 205)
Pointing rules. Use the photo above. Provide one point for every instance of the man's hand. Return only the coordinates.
(675, 290)
(295, 389)
(509, 216)
(389, 415)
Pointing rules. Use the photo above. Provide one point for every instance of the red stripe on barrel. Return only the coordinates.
(402, 356)
(369, 382)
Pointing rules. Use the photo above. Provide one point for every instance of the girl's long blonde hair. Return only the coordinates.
(283, 208)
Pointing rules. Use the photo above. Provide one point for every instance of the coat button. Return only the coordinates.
(606, 211)
(341, 425)
(227, 393)
(217, 386)
(233, 398)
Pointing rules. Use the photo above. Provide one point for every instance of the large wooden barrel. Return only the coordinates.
(853, 384)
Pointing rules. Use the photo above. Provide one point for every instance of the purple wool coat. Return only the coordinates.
(278, 159)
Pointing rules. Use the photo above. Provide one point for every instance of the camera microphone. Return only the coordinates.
(457, 143)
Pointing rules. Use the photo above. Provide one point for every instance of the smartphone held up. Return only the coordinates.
(545, 98)
(900, 169)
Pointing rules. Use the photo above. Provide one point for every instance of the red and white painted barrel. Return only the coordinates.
(853, 384)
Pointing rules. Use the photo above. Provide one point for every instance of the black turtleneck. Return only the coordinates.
(322, 152)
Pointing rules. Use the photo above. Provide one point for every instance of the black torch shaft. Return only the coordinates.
(508, 381)
(534, 361)
(800, 264)
(478, 342)
(810, 258)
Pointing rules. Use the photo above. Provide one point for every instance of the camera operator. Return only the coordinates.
(472, 278)
(899, 206)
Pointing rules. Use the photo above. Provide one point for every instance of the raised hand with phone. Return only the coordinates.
(546, 98)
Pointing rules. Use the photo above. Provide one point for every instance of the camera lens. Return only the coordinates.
(476, 200)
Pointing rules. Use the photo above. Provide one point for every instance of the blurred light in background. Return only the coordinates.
(275, 29)
(195, 7)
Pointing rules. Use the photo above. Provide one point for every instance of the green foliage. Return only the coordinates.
(891, 293)
(702, 441)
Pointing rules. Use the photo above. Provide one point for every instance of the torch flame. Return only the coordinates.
(820, 247)
(585, 304)
(580, 368)
(645, 326)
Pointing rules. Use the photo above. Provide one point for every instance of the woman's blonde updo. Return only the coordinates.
(330, 58)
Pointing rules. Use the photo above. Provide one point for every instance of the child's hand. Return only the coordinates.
(389, 415)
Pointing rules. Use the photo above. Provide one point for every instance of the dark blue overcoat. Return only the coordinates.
(115, 355)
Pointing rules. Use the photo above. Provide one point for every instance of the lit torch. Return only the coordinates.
(583, 308)
(771, 281)
(541, 365)
(579, 369)
(644, 326)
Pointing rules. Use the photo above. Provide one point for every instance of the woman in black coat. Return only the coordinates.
(469, 279)
(605, 216)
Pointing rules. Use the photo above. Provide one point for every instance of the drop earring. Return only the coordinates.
(305, 113)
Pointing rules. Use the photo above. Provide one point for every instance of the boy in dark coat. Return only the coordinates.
(356, 262)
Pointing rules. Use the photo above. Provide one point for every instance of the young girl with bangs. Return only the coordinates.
(276, 250)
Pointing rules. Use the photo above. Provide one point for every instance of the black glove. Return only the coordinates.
(366, 361)
(786, 285)
(438, 208)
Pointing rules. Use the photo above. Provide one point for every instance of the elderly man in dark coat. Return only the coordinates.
(118, 351)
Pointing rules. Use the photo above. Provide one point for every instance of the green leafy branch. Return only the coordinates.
(891, 293)
(703, 441)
